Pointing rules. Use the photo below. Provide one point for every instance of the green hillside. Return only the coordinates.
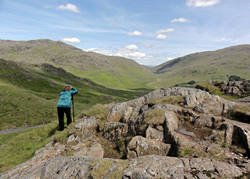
(200, 67)
(114, 72)
(123, 73)
(29, 93)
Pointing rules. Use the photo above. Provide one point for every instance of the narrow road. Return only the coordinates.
(18, 129)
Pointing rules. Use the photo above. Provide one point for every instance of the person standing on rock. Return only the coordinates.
(64, 105)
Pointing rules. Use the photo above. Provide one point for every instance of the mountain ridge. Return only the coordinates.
(203, 66)
(122, 73)
(106, 70)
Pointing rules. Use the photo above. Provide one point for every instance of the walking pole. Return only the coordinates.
(73, 108)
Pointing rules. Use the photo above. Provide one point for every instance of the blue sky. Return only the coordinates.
(150, 32)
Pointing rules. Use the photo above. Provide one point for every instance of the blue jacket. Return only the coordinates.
(65, 98)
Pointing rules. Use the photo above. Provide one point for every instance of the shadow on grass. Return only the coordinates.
(53, 131)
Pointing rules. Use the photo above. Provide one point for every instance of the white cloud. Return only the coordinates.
(72, 40)
(131, 47)
(160, 36)
(135, 33)
(129, 51)
(224, 39)
(118, 54)
(179, 20)
(101, 51)
(201, 3)
(168, 59)
(91, 49)
(69, 7)
(136, 55)
(165, 31)
(147, 45)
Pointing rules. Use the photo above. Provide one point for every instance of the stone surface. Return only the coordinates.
(140, 146)
(227, 170)
(114, 130)
(154, 134)
(151, 166)
(136, 112)
(73, 138)
(229, 129)
(116, 112)
(171, 120)
(95, 151)
(87, 122)
(205, 120)
(126, 115)
(241, 137)
(171, 167)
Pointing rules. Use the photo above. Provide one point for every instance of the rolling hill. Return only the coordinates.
(114, 72)
(122, 73)
(211, 65)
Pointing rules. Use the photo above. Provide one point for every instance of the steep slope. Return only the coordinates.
(206, 65)
(115, 72)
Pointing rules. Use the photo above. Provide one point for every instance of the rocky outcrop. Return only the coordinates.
(193, 97)
(236, 87)
(152, 166)
(170, 167)
(167, 123)
(89, 122)
(80, 148)
(140, 146)
(115, 130)
(154, 134)
(209, 120)
(155, 137)
(233, 87)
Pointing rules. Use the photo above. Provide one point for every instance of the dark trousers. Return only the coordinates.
(61, 112)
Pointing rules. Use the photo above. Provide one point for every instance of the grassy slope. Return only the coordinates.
(206, 65)
(29, 94)
(19, 147)
(114, 72)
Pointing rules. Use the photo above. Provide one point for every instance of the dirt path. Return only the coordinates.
(18, 129)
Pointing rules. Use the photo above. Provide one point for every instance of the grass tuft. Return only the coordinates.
(102, 170)
(154, 116)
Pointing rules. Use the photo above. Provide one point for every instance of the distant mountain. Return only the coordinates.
(122, 73)
(215, 65)
(150, 66)
(115, 72)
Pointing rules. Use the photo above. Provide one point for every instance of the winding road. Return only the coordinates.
(18, 129)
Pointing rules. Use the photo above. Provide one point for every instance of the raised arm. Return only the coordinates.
(74, 91)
